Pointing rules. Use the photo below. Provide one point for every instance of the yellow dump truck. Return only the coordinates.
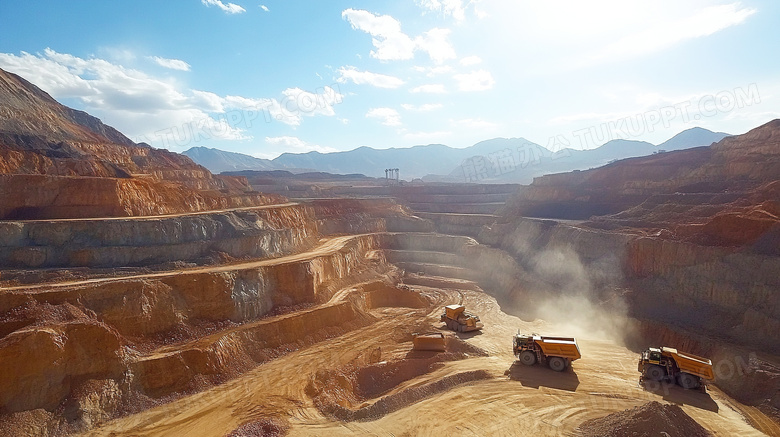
(558, 352)
(457, 319)
(689, 371)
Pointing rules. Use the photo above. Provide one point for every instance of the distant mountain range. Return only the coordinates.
(497, 160)
(218, 161)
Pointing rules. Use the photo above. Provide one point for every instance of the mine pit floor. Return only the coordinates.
(505, 399)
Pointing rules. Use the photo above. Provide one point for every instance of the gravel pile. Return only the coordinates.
(651, 419)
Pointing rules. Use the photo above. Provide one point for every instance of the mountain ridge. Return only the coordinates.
(442, 163)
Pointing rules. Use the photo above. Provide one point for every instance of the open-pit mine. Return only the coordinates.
(140, 295)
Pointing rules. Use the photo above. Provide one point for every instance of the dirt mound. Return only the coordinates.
(650, 419)
(263, 427)
(404, 398)
(348, 393)
(386, 296)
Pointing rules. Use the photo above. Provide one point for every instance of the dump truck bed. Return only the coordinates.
(690, 363)
(428, 342)
(565, 347)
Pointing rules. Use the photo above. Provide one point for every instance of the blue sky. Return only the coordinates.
(267, 77)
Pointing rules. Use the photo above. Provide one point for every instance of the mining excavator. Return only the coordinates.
(457, 319)
(689, 371)
(558, 352)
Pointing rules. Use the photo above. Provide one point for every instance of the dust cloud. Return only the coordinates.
(578, 299)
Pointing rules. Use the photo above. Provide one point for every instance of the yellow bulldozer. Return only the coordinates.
(689, 371)
(557, 352)
(457, 319)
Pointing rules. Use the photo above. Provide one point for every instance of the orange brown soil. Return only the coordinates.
(652, 418)
(141, 295)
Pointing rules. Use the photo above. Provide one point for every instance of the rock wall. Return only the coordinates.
(459, 224)
(360, 216)
(160, 334)
(258, 232)
(40, 197)
(728, 292)
(159, 302)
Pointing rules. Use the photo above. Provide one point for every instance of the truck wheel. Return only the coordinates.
(687, 381)
(655, 372)
(556, 363)
(527, 357)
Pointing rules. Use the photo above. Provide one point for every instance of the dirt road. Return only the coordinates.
(325, 246)
(163, 216)
(514, 400)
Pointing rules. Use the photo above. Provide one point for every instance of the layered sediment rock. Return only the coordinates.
(149, 334)
(722, 195)
(56, 162)
(262, 232)
(693, 233)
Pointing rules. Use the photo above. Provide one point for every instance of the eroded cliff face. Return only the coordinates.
(688, 241)
(723, 195)
(174, 280)
(56, 162)
(39, 197)
(696, 231)
(263, 232)
(177, 302)
(725, 292)
(148, 337)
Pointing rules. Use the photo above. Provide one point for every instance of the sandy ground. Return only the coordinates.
(515, 400)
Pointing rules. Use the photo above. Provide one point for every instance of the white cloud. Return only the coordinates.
(117, 54)
(291, 109)
(367, 77)
(474, 123)
(434, 88)
(422, 108)
(665, 33)
(470, 60)
(96, 82)
(392, 44)
(289, 144)
(479, 80)
(435, 43)
(433, 71)
(230, 8)
(264, 7)
(388, 116)
(158, 111)
(207, 101)
(173, 64)
(452, 8)
(310, 104)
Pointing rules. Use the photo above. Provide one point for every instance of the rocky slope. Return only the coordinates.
(726, 194)
(686, 241)
(51, 157)
(179, 295)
